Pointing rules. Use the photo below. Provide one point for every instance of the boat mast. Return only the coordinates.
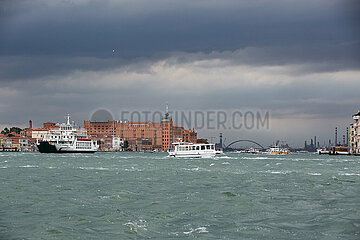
(68, 119)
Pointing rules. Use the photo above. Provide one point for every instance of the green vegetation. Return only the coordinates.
(12, 129)
(202, 140)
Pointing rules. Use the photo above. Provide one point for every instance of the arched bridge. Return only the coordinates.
(244, 140)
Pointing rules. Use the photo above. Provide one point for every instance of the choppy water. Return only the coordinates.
(143, 196)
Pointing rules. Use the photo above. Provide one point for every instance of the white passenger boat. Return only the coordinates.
(193, 150)
(276, 150)
(322, 151)
(219, 151)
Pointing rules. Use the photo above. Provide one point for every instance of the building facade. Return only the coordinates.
(141, 136)
(355, 135)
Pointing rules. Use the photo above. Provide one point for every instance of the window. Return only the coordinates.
(203, 147)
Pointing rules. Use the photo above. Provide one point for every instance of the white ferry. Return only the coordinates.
(193, 150)
(322, 151)
(65, 138)
(276, 150)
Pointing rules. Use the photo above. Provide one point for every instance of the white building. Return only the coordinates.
(39, 133)
(117, 144)
(24, 144)
(5, 142)
(355, 135)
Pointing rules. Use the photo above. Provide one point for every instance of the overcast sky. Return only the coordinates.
(299, 60)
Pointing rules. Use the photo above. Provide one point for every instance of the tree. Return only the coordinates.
(5, 131)
(12, 129)
(15, 130)
(202, 140)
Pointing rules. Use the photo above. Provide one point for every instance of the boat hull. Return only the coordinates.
(192, 155)
(46, 147)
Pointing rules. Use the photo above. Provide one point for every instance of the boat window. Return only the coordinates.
(203, 147)
(207, 146)
(193, 147)
(197, 148)
(212, 147)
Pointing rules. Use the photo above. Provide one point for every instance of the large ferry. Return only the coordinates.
(66, 138)
(340, 150)
(193, 150)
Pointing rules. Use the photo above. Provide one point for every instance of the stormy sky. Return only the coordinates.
(298, 60)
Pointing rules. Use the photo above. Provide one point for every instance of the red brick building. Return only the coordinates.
(142, 136)
(49, 125)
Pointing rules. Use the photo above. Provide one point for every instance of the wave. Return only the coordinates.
(197, 230)
(94, 168)
(315, 174)
(349, 174)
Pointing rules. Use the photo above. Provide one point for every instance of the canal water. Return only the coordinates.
(151, 196)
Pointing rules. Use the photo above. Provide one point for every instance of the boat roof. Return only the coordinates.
(186, 143)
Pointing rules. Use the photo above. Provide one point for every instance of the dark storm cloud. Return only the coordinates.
(45, 38)
(96, 28)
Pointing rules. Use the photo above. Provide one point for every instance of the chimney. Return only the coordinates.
(221, 141)
(30, 124)
(336, 137)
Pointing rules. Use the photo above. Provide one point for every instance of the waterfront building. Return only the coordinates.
(39, 133)
(16, 142)
(5, 141)
(352, 138)
(141, 136)
(355, 134)
(117, 144)
(49, 125)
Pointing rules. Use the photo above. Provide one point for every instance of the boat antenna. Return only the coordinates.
(68, 119)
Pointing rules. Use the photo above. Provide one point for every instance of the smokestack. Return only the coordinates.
(315, 142)
(221, 140)
(347, 136)
(30, 124)
(335, 136)
(343, 140)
